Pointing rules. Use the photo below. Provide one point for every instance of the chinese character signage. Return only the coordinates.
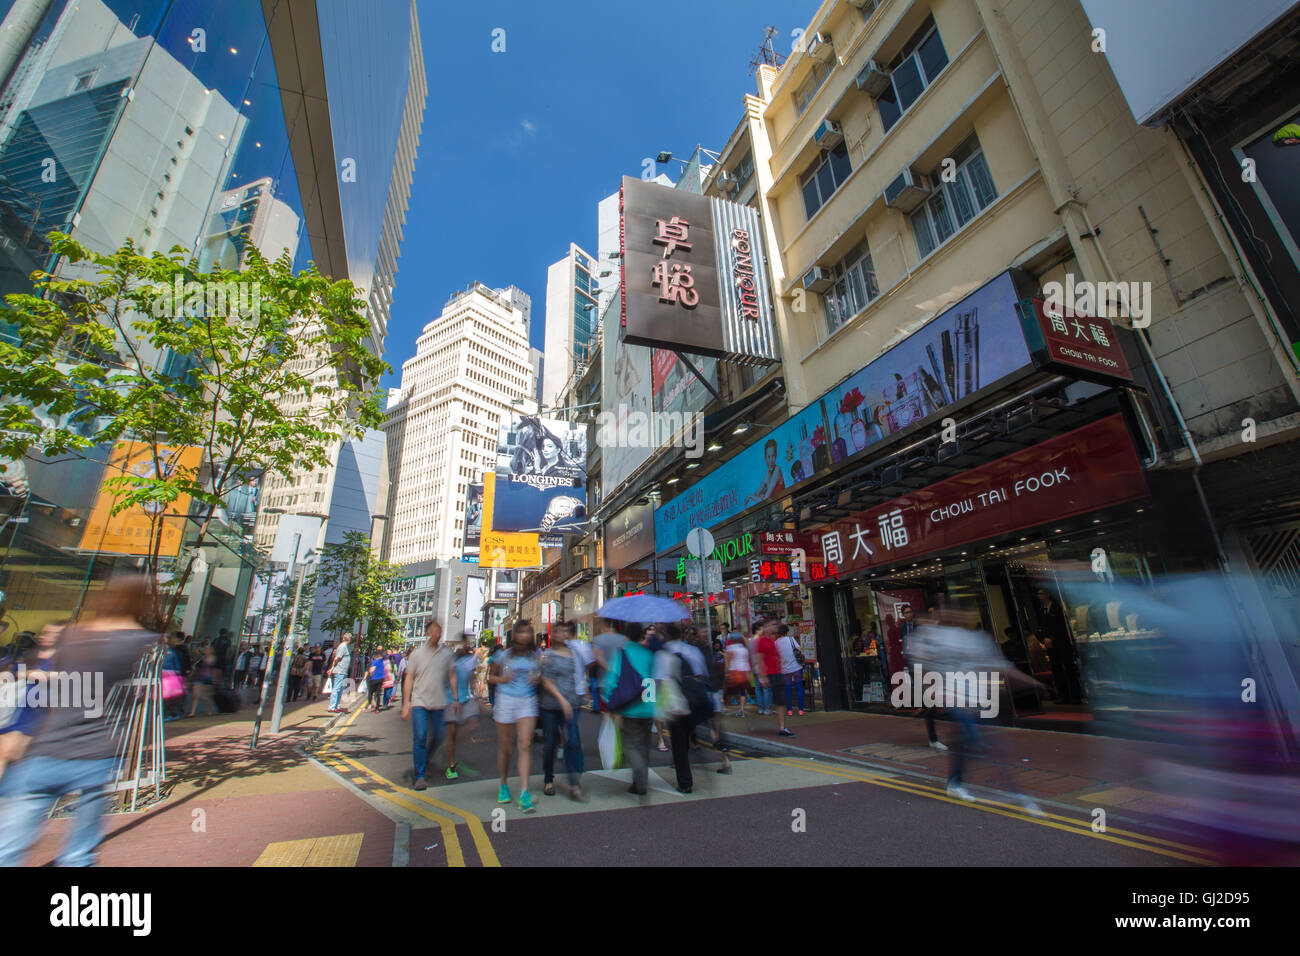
(694, 277)
(1089, 468)
(131, 531)
(542, 476)
(1078, 345)
(785, 542)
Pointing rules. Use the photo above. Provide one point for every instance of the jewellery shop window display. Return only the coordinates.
(862, 639)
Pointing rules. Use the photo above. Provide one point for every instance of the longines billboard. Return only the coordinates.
(694, 276)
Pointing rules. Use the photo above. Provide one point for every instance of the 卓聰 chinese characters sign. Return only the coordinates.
(694, 277)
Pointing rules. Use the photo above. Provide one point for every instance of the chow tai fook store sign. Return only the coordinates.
(1080, 345)
(1083, 470)
(694, 277)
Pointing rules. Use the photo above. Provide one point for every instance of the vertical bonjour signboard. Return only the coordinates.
(694, 275)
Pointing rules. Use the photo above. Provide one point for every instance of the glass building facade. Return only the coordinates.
(194, 124)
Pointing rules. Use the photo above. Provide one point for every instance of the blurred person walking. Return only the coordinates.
(762, 688)
(464, 714)
(516, 673)
(738, 672)
(684, 665)
(73, 749)
(562, 682)
(316, 670)
(17, 733)
(767, 667)
(298, 672)
(340, 663)
(909, 630)
(425, 683)
(376, 673)
(624, 691)
(241, 667)
(952, 644)
(207, 675)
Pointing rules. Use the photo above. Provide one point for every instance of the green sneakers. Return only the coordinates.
(503, 794)
(526, 802)
(452, 773)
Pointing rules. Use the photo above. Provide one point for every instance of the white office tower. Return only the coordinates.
(571, 320)
(470, 365)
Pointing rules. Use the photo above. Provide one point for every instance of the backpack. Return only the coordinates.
(629, 687)
(798, 654)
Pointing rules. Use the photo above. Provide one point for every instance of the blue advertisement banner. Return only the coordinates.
(960, 352)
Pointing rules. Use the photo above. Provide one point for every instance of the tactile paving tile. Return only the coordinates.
(341, 850)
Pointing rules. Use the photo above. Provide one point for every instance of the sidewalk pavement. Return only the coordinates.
(1081, 771)
(228, 806)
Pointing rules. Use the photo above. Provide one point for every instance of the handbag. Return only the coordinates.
(609, 744)
(389, 682)
(670, 701)
(173, 685)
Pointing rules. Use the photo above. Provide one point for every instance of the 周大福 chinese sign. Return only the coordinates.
(694, 276)
(1083, 470)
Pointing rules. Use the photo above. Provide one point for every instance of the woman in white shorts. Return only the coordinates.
(516, 672)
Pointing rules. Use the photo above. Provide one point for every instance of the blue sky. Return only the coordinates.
(518, 147)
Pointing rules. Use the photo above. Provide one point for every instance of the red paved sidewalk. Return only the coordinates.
(227, 804)
(1085, 770)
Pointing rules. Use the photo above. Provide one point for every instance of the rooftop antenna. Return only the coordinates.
(767, 54)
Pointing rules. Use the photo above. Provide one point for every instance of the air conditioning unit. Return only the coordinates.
(907, 192)
(817, 280)
(863, 4)
(829, 134)
(728, 183)
(820, 49)
(873, 80)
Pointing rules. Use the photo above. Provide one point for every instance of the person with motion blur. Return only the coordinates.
(17, 733)
(683, 664)
(952, 642)
(562, 682)
(429, 675)
(738, 671)
(464, 712)
(298, 673)
(316, 665)
(909, 629)
(762, 688)
(340, 662)
(516, 673)
(623, 689)
(72, 750)
(767, 667)
(791, 667)
(207, 675)
(375, 675)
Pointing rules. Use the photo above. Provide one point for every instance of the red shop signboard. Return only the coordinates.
(1089, 468)
(1080, 345)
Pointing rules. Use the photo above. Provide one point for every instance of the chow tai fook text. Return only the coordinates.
(1083, 470)
(694, 277)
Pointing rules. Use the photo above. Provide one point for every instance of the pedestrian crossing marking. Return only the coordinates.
(339, 850)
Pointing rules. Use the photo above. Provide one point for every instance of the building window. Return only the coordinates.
(824, 177)
(806, 90)
(83, 81)
(855, 286)
(744, 169)
(914, 69)
(954, 204)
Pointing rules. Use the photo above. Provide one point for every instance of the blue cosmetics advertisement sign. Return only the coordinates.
(964, 350)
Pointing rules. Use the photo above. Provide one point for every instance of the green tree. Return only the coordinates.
(267, 376)
(359, 583)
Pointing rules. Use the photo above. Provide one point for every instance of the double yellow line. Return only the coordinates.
(415, 801)
(1056, 821)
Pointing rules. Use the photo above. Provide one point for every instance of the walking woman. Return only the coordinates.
(207, 674)
(738, 671)
(515, 673)
(562, 675)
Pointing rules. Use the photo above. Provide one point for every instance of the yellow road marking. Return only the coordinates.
(922, 790)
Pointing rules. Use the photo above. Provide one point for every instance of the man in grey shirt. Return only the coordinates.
(429, 671)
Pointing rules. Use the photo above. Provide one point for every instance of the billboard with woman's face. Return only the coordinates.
(541, 476)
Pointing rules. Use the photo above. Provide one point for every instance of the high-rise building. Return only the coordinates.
(470, 366)
(571, 319)
(276, 126)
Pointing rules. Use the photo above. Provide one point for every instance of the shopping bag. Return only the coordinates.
(609, 744)
(670, 702)
(173, 685)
